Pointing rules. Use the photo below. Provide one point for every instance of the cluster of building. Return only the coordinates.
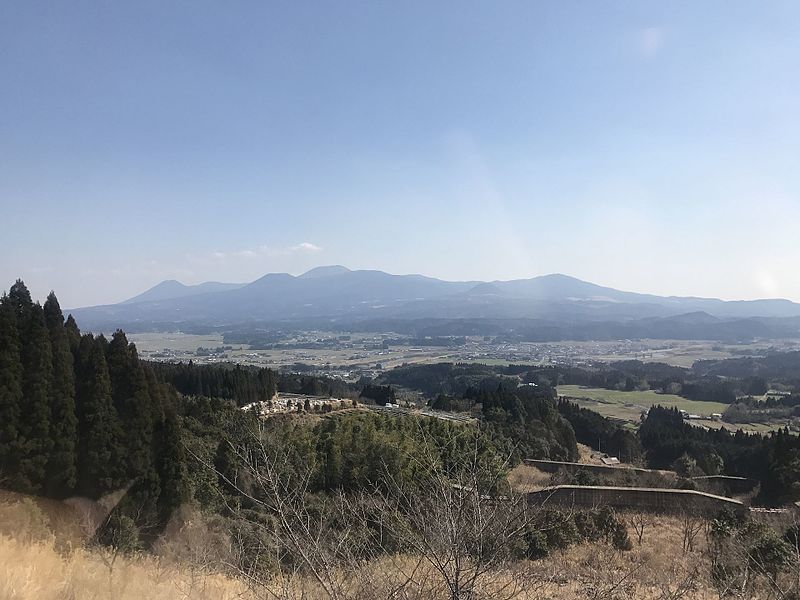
(691, 417)
(286, 403)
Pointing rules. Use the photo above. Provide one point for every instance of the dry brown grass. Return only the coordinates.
(658, 569)
(34, 564)
(525, 478)
(43, 556)
(35, 570)
(586, 455)
(37, 562)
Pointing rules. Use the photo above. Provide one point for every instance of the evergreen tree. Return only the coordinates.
(99, 433)
(10, 392)
(20, 299)
(133, 403)
(137, 399)
(333, 464)
(171, 465)
(73, 335)
(64, 422)
(35, 418)
(226, 466)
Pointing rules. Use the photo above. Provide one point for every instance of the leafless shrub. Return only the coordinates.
(459, 525)
(462, 528)
(682, 588)
(614, 585)
(639, 521)
(751, 559)
(692, 525)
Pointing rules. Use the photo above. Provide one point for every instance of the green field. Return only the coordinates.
(629, 405)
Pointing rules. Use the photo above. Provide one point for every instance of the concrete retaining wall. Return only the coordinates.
(735, 485)
(654, 500)
(552, 466)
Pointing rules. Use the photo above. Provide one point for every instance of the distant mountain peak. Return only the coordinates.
(325, 271)
(170, 289)
(557, 276)
(485, 289)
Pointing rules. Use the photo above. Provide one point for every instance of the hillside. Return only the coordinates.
(191, 563)
(125, 479)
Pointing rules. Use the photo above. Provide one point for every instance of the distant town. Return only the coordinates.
(350, 356)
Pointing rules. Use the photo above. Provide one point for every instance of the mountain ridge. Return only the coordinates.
(335, 293)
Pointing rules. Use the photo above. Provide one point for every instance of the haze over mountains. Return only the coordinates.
(545, 307)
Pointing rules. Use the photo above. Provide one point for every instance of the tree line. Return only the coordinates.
(242, 384)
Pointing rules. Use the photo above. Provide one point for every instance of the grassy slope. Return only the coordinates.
(40, 563)
(31, 568)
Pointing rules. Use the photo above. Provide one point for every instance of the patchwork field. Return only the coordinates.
(628, 406)
(325, 350)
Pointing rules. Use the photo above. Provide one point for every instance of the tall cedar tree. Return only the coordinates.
(73, 335)
(20, 305)
(134, 404)
(132, 401)
(64, 422)
(20, 299)
(35, 420)
(10, 393)
(171, 465)
(99, 434)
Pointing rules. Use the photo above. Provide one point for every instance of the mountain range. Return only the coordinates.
(338, 297)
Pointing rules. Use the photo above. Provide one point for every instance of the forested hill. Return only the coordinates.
(82, 415)
(523, 413)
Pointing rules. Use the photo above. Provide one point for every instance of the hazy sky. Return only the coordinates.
(650, 146)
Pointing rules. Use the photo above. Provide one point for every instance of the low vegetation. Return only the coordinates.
(559, 555)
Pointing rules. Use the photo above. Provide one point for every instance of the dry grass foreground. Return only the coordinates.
(43, 561)
(33, 569)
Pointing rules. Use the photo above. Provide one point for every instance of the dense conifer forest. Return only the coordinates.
(82, 415)
(243, 385)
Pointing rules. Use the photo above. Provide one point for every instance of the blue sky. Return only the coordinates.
(650, 146)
